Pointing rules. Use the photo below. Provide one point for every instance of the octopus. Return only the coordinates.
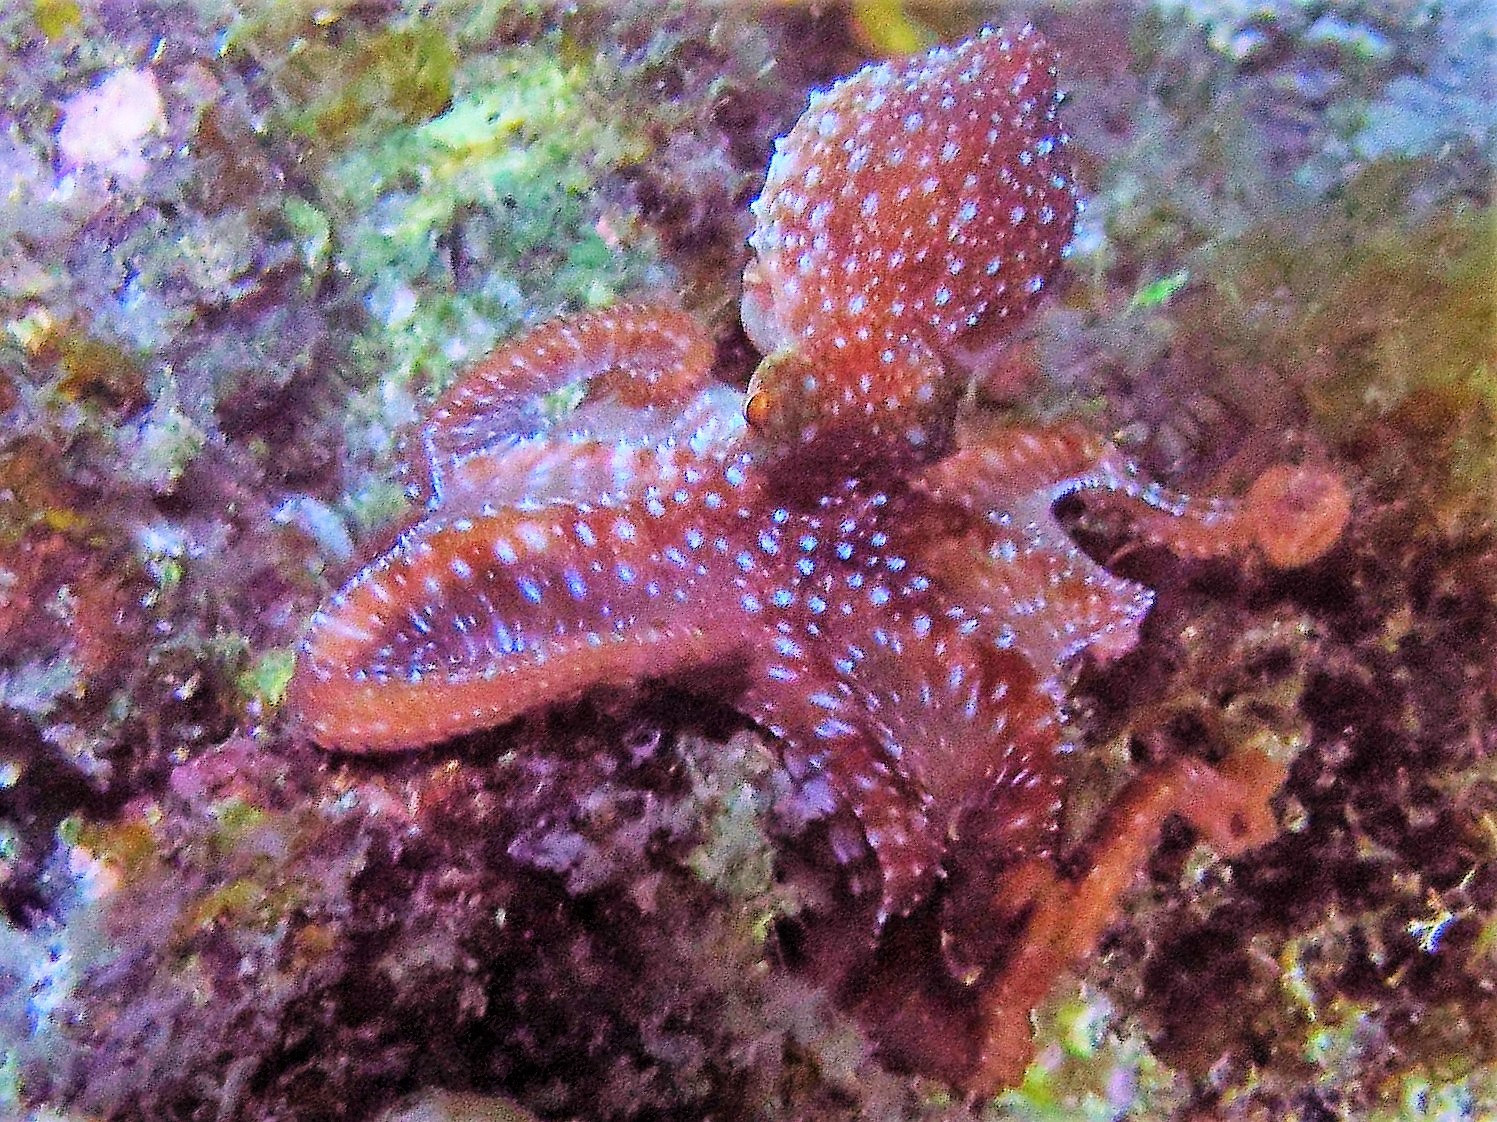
(887, 576)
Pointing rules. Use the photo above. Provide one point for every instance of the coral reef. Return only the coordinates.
(216, 326)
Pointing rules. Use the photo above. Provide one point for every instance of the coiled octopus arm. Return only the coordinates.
(637, 355)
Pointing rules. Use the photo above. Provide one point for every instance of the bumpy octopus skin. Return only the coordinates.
(914, 213)
(900, 601)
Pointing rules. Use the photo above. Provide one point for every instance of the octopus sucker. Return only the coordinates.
(901, 606)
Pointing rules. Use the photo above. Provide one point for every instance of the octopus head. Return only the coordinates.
(912, 216)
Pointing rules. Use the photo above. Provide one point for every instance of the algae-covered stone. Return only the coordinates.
(457, 230)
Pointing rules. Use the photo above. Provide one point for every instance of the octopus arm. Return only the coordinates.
(823, 727)
(1016, 565)
(1031, 584)
(968, 722)
(1228, 804)
(469, 622)
(1010, 469)
(638, 355)
(606, 455)
(1026, 571)
(1292, 514)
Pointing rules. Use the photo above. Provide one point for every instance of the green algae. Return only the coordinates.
(35, 495)
(93, 370)
(338, 79)
(405, 71)
(889, 27)
(737, 856)
(244, 904)
(451, 230)
(132, 847)
(1390, 332)
(1345, 1039)
(1411, 319)
(1157, 293)
(1089, 1068)
(267, 677)
(54, 18)
(458, 230)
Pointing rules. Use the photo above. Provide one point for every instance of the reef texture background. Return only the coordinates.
(241, 244)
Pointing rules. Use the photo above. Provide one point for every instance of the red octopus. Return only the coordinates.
(901, 601)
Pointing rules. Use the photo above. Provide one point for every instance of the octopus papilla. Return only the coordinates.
(902, 604)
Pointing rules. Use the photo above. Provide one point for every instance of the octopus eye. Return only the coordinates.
(758, 410)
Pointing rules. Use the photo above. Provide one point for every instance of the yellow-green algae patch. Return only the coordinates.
(265, 679)
(475, 206)
(458, 229)
(1390, 332)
